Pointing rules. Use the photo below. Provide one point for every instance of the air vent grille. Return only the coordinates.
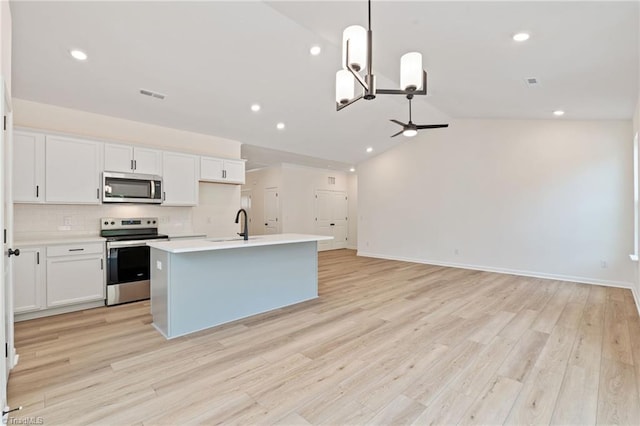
(332, 180)
(151, 93)
(532, 82)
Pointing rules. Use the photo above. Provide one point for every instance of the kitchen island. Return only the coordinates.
(197, 284)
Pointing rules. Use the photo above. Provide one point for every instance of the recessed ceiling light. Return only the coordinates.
(521, 37)
(280, 126)
(255, 107)
(78, 54)
(558, 113)
(353, 169)
(369, 149)
(315, 50)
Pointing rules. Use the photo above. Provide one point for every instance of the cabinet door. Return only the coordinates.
(74, 279)
(28, 167)
(72, 170)
(234, 171)
(180, 179)
(147, 161)
(28, 284)
(211, 169)
(118, 158)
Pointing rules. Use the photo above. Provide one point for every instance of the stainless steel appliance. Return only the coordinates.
(128, 257)
(131, 188)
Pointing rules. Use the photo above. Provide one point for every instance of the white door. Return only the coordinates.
(180, 179)
(6, 224)
(234, 171)
(28, 167)
(331, 218)
(245, 203)
(271, 211)
(339, 209)
(118, 158)
(147, 161)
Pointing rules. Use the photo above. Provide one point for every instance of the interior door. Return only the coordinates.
(339, 211)
(271, 211)
(6, 222)
(331, 218)
(323, 218)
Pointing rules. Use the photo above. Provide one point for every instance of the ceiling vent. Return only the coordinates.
(532, 82)
(152, 94)
(331, 180)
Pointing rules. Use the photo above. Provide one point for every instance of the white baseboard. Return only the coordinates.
(57, 311)
(636, 297)
(582, 280)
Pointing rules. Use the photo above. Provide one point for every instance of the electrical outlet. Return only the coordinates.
(209, 219)
(456, 251)
(66, 220)
(603, 264)
(159, 265)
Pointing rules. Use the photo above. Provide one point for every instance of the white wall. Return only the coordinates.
(257, 181)
(546, 198)
(5, 39)
(298, 203)
(218, 202)
(297, 188)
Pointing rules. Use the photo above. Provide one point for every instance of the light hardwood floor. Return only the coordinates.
(387, 342)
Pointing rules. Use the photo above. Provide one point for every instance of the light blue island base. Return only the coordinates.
(195, 290)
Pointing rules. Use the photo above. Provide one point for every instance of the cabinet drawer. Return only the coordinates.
(75, 249)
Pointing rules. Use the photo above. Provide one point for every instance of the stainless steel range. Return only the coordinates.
(128, 267)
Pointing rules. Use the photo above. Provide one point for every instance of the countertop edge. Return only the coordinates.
(189, 246)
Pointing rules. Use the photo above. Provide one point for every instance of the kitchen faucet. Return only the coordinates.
(244, 234)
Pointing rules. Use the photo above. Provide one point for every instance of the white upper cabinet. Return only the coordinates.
(72, 170)
(127, 159)
(28, 167)
(221, 170)
(180, 179)
(147, 161)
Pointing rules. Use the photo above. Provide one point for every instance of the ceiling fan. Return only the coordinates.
(409, 129)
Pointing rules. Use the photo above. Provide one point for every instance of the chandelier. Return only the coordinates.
(357, 47)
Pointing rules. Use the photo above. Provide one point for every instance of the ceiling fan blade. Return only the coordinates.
(399, 133)
(399, 122)
(431, 126)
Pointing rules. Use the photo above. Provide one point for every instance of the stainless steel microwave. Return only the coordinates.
(131, 188)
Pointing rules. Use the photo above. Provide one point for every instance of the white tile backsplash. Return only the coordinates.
(47, 220)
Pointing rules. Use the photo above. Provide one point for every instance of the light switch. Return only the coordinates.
(158, 265)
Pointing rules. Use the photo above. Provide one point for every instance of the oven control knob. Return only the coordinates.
(154, 221)
(113, 223)
(148, 222)
(106, 223)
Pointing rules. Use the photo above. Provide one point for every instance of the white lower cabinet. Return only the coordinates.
(58, 276)
(75, 274)
(28, 280)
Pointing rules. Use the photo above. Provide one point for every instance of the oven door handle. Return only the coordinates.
(136, 243)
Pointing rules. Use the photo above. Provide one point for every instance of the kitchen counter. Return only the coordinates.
(197, 284)
(185, 246)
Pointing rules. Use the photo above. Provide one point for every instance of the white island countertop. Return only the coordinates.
(207, 244)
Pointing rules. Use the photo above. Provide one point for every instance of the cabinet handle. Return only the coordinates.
(37, 258)
(131, 167)
(37, 191)
(98, 193)
(101, 264)
(164, 195)
(135, 164)
(80, 249)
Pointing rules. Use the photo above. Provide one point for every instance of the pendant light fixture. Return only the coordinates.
(357, 52)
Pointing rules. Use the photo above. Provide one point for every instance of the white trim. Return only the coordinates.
(583, 280)
(633, 257)
(636, 297)
(61, 310)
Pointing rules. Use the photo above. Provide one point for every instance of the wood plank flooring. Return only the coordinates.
(387, 342)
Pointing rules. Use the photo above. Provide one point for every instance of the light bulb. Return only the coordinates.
(410, 133)
(411, 71)
(357, 37)
(344, 87)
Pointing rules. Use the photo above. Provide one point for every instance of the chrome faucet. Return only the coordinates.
(244, 234)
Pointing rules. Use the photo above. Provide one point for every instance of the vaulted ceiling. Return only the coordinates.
(213, 60)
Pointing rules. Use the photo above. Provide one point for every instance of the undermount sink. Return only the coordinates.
(220, 240)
